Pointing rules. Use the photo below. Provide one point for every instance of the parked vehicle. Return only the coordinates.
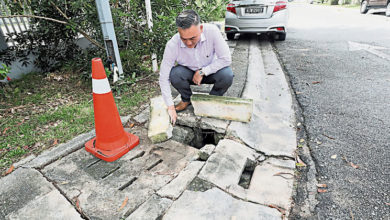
(370, 4)
(257, 16)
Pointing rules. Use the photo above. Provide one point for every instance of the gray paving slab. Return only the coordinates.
(101, 187)
(206, 151)
(226, 164)
(143, 117)
(59, 151)
(217, 125)
(50, 206)
(271, 185)
(176, 187)
(26, 191)
(152, 209)
(217, 205)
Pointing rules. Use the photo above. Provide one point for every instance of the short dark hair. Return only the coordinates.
(187, 18)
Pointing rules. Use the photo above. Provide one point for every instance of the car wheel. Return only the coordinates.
(363, 7)
(280, 36)
(388, 9)
(230, 36)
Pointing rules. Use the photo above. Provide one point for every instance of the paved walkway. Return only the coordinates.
(249, 174)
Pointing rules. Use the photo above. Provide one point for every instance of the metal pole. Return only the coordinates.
(107, 25)
(150, 25)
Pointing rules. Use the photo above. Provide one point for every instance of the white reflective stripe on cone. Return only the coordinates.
(100, 86)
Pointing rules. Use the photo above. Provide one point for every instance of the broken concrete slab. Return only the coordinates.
(50, 206)
(266, 133)
(226, 164)
(24, 190)
(228, 108)
(153, 208)
(206, 151)
(59, 151)
(214, 124)
(218, 205)
(176, 187)
(101, 187)
(272, 185)
(187, 118)
(143, 117)
(183, 134)
(160, 128)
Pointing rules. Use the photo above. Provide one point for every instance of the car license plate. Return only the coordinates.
(254, 10)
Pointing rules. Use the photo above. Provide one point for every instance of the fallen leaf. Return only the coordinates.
(282, 173)
(319, 142)
(328, 136)
(25, 147)
(353, 165)
(55, 142)
(315, 82)
(131, 125)
(333, 156)
(281, 210)
(20, 123)
(298, 93)
(78, 204)
(300, 163)
(302, 140)
(321, 185)
(124, 203)
(10, 170)
(5, 130)
(322, 190)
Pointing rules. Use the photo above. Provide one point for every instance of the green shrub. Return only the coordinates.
(54, 43)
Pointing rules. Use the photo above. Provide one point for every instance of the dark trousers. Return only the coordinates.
(181, 79)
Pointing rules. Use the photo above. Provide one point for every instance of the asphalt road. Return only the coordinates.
(338, 64)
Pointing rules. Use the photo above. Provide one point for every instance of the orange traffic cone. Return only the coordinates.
(111, 141)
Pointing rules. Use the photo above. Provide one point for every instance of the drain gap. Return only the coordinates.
(203, 137)
(128, 184)
(140, 154)
(154, 164)
(110, 172)
(93, 163)
(247, 174)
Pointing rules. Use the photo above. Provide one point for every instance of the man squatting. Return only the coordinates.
(196, 55)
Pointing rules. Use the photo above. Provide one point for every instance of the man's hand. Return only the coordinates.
(172, 114)
(197, 78)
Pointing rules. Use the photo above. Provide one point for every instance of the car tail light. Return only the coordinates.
(280, 28)
(228, 28)
(231, 8)
(280, 5)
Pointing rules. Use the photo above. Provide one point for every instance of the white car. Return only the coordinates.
(257, 16)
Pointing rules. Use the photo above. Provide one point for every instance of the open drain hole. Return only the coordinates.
(247, 174)
(131, 181)
(203, 137)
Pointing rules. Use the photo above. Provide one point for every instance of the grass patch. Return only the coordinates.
(39, 112)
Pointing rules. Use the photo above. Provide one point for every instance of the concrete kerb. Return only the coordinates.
(62, 150)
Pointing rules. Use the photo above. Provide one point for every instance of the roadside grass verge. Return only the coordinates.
(39, 112)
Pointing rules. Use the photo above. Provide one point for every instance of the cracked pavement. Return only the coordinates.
(173, 180)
